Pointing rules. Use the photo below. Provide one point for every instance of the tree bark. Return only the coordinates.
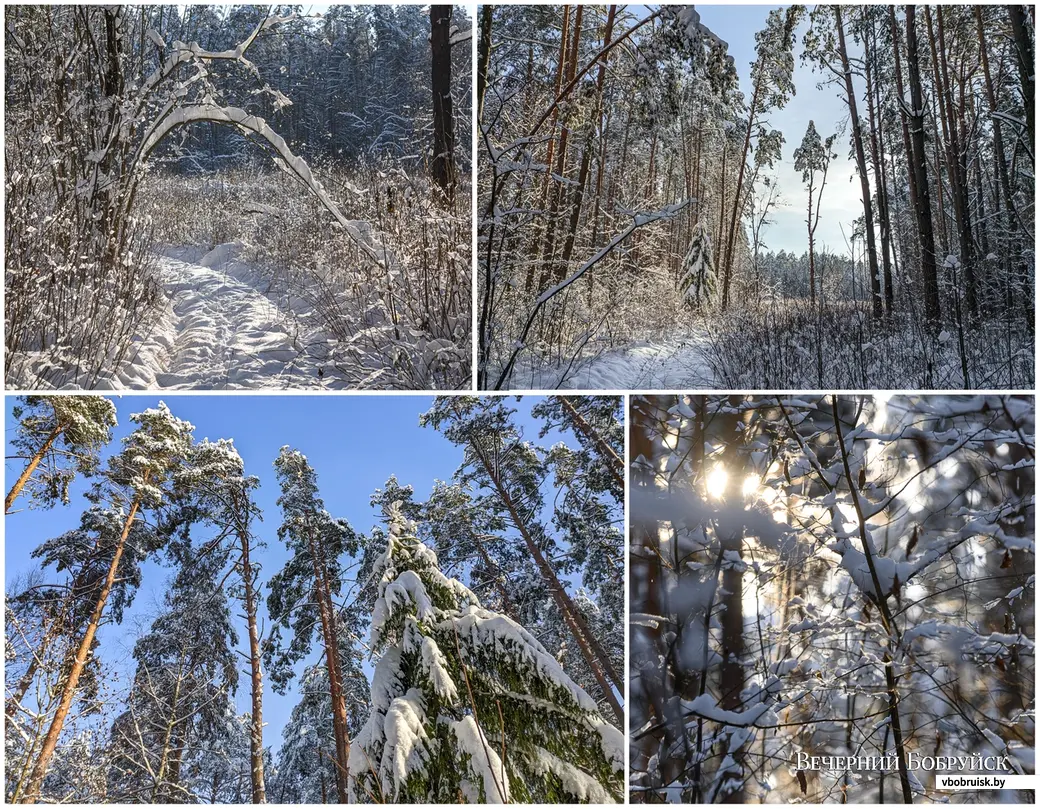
(444, 171)
(561, 67)
(1026, 70)
(256, 724)
(900, 98)
(919, 167)
(1004, 179)
(557, 191)
(326, 612)
(877, 161)
(956, 157)
(731, 237)
(483, 57)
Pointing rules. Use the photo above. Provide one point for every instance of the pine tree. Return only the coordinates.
(223, 496)
(182, 694)
(510, 471)
(467, 532)
(65, 434)
(699, 284)
(772, 86)
(466, 705)
(63, 613)
(597, 424)
(137, 480)
(302, 593)
(812, 159)
(307, 758)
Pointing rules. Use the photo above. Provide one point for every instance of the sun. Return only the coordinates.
(718, 477)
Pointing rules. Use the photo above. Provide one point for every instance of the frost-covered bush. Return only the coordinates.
(466, 704)
(75, 254)
(794, 344)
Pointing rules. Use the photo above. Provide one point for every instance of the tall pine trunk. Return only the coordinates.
(326, 612)
(919, 167)
(1026, 70)
(593, 652)
(30, 467)
(68, 694)
(444, 172)
(861, 169)
(738, 196)
(483, 57)
(956, 156)
(877, 160)
(256, 720)
(1021, 286)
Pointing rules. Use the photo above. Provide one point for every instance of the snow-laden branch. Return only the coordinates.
(185, 53)
(638, 221)
(458, 37)
(254, 125)
(705, 707)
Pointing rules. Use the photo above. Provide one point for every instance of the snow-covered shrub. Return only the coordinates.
(75, 254)
(793, 344)
(466, 704)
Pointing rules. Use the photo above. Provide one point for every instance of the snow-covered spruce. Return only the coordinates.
(466, 705)
(698, 284)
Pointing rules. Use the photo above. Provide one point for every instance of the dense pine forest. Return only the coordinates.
(237, 196)
(838, 576)
(192, 628)
(823, 197)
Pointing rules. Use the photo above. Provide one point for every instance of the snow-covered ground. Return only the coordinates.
(675, 363)
(789, 348)
(221, 329)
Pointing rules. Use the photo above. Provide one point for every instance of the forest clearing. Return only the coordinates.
(753, 197)
(199, 621)
(835, 576)
(327, 153)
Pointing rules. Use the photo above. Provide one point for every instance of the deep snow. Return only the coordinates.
(676, 363)
(221, 330)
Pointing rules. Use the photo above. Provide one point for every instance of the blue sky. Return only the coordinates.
(354, 443)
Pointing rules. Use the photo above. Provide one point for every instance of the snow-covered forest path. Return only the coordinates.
(675, 363)
(221, 331)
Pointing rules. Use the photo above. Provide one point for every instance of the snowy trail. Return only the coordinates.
(220, 331)
(676, 363)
